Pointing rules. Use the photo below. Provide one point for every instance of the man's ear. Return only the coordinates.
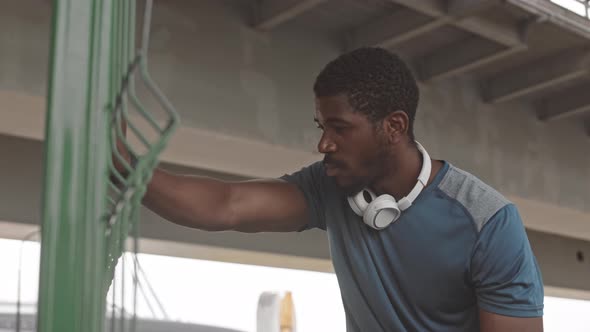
(395, 126)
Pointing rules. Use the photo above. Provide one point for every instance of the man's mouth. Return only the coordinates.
(331, 169)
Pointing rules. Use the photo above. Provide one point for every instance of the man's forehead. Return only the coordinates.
(337, 113)
(332, 102)
(336, 106)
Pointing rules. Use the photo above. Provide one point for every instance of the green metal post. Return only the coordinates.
(91, 81)
(71, 289)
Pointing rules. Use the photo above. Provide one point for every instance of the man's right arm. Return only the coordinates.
(250, 206)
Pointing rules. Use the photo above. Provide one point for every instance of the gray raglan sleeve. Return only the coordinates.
(504, 270)
(311, 181)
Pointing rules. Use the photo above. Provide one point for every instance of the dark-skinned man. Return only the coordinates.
(418, 244)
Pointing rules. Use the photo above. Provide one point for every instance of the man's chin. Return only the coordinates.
(347, 187)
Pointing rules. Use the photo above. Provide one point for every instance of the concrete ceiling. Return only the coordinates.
(531, 51)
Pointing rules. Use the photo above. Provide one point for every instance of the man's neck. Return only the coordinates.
(403, 174)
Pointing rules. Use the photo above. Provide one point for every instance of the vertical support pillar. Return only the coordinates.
(71, 284)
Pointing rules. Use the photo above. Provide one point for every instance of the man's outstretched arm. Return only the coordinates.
(214, 205)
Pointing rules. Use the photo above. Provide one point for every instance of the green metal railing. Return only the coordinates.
(89, 206)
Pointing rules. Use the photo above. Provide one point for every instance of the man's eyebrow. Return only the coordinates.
(332, 121)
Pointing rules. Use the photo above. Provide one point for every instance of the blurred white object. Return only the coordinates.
(275, 313)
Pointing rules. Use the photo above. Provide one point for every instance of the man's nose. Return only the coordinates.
(326, 145)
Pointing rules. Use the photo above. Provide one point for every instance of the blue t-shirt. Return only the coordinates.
(461, 246)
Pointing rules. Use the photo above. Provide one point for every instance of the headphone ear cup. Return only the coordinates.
(355, 207)
(359, 202)
(381, 212)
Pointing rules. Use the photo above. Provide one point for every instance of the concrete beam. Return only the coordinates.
(461, 57)
(393, 30)
(156, 246)
(402, 25)
(501, 34)
(188, 146)
(555, 14)
(556, 254)
(544, 73)
(434, 8)
(463, 8)
(508, 36)
(570, 103)
(272, 13)
(199, 149)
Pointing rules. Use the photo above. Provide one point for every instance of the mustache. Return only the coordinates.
(330, 160)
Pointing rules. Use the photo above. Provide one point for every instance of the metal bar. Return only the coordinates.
(71, 296)
(123, 56)
(92, 63)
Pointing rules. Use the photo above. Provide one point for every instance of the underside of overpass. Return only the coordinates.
(500, 44)
(518, 71)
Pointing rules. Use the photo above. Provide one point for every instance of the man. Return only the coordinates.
(440, 251)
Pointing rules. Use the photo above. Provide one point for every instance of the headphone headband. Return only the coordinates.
(407, 201)
(383, 210)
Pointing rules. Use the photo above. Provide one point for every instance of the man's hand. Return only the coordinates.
(121, 149)
(121, 152)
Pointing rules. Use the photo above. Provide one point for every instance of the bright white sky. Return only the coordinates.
(224, 294)
(574, 5)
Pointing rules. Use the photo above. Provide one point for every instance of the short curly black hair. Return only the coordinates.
(376, 82)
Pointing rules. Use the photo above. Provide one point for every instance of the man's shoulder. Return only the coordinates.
(311, 177)
(314, 170)
(478, 198)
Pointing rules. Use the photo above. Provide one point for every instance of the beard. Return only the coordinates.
(350, 187)
(370, 166)
(362, 176)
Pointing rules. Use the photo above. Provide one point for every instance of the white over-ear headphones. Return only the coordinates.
(379, 212)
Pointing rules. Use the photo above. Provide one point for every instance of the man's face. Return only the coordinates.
(354, 149)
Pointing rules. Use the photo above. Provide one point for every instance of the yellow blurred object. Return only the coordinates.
(287, 315)
(276, 312)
